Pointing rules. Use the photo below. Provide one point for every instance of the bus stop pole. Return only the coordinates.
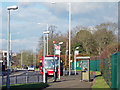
(59, 65)
(43, 62)
(54, 66)
(75, 64)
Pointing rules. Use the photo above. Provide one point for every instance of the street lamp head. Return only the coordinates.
(60, 42)
(12, 7)
(47, 32)
(77, 48)
(38, 23)
(53, 2)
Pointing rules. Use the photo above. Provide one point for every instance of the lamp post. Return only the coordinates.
(54, 42)
(47, 32)
(8, 44)
(69, 34)
(59, 59)
(21, 60)
(47, 36)
(75, 53)
(66, 61)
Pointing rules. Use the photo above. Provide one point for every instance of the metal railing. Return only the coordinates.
(26, 77)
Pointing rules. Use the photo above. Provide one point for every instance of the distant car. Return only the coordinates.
(31, 68)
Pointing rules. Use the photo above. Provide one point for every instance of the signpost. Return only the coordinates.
(57, 52)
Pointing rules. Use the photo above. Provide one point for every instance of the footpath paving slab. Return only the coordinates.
(72, 81)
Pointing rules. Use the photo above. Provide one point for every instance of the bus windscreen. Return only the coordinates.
(49, 63)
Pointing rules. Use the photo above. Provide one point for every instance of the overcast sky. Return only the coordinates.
(25, 32)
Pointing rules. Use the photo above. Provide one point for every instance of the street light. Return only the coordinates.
(66, 61)
(60, 43)
(47, 36)
(47, 32)
(59, 59)
(8, 44)
(12, 7)
(75, 52)
(69, 33)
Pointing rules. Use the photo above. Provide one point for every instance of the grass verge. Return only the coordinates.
(100, 82)
(26, 86)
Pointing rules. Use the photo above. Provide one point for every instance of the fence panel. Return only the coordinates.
(115, 70)
(28, 77)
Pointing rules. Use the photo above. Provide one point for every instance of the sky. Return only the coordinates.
(25, 30)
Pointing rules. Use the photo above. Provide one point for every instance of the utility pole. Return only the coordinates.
(69, 36)
(47, 39)
(35, 58)
(21, 60)
(66, 57)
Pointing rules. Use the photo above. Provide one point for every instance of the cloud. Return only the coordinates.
(26, 43)
(77, 8)
(0, 34)
(67, 0)
(3, 44)
(110, 19)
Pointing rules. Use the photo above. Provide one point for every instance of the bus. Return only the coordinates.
(49, 65)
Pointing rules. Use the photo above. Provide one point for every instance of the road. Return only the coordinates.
(23, 77)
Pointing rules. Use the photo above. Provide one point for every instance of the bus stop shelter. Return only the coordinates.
(85, 67)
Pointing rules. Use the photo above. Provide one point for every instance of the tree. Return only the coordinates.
(104, 36)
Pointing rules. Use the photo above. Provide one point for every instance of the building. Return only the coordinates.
(3, 59)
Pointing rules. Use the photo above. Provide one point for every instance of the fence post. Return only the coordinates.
(16, 78)
(38, 77)
(2, 79)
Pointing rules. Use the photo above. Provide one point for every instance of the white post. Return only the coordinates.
(43, 62)
(75, 64)
(35, 58)
(8, 51)
(21, 60)
(69, 36)
(74, 60)
(47, 40)
(59, 65)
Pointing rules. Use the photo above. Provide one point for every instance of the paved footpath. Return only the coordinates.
(72, 81)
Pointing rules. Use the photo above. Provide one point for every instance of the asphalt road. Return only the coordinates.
(23, 77)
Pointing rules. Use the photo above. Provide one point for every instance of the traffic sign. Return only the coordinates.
(76, 52)
(57, 51)
(57, 47)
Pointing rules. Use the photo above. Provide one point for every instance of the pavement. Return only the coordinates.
(72, 81)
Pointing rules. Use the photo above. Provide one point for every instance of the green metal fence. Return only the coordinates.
(109, 66)
(115, 70)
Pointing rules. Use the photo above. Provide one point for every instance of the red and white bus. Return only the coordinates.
(49, 65)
